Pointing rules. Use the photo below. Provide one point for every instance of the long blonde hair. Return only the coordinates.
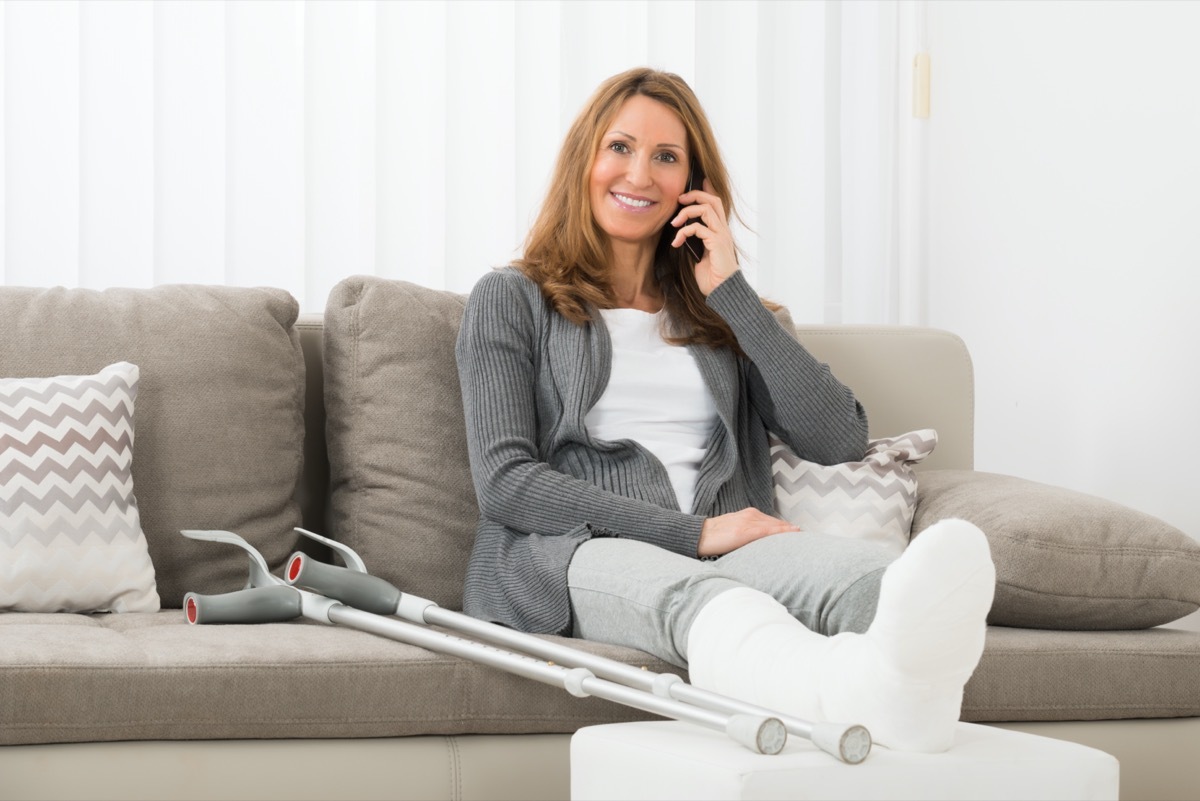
(566, 252)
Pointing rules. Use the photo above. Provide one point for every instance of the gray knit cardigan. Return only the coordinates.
(544, 486)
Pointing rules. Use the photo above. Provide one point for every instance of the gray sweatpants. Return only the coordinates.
(626, 592)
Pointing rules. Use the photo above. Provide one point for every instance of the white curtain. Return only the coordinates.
(292, 143)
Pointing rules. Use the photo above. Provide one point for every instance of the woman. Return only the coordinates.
(618, 396)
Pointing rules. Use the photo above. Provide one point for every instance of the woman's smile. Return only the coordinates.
(632, 203)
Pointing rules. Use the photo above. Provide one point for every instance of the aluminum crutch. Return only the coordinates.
(268, 598)
(353, 586)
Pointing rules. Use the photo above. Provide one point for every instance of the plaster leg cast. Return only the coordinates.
(903, 678)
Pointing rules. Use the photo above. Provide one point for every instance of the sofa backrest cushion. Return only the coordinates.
(219, 414)
(401, 491)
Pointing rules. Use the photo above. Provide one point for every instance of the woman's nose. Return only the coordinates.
(639, 172)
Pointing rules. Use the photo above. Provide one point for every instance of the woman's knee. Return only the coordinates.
(829, 583)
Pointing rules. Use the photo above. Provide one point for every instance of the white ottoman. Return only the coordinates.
(661, 760)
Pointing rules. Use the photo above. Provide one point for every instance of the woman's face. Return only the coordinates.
(640, 171)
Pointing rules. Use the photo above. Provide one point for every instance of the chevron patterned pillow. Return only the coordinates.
(70, 536)
(872, 499)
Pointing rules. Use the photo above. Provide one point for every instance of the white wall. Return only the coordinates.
(1064, 239)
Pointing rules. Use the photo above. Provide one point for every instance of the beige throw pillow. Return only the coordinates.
(1066, 560)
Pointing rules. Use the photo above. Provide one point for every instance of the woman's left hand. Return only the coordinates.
(705, 218)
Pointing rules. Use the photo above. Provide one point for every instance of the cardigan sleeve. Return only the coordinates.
(798, 397)
(497, 364)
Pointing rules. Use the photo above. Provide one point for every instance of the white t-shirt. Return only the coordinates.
(655, 396)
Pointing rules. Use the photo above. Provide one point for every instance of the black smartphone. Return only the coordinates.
(695, 181)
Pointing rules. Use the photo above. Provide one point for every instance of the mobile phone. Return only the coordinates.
(695, 181)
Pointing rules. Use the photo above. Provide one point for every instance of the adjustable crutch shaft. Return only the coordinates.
(849, 743)
(766, 735)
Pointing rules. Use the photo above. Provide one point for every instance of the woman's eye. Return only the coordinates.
(668, 157)
(619, 147)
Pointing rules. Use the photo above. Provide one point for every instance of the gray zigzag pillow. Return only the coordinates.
(70, 536)
(872, 499)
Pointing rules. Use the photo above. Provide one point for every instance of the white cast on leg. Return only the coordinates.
(902, 679)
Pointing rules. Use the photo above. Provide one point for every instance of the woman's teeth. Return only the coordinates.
(628, 201)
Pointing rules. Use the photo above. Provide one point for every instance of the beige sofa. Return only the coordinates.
(251, 420)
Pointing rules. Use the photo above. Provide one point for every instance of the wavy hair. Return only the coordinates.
(567, 254)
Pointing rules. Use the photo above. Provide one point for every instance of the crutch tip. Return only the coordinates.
(851, 743)
(772, 736)
(761, 734)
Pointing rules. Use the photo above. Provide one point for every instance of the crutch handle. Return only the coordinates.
(258, 605)
(360, 590)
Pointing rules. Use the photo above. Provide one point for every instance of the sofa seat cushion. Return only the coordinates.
(1036, 674)
(81, 678)
(150, 676)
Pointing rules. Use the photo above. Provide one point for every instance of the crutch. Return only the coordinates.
(353, 586)
(267, 598)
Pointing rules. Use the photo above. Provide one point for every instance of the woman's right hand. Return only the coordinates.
(728, 532)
